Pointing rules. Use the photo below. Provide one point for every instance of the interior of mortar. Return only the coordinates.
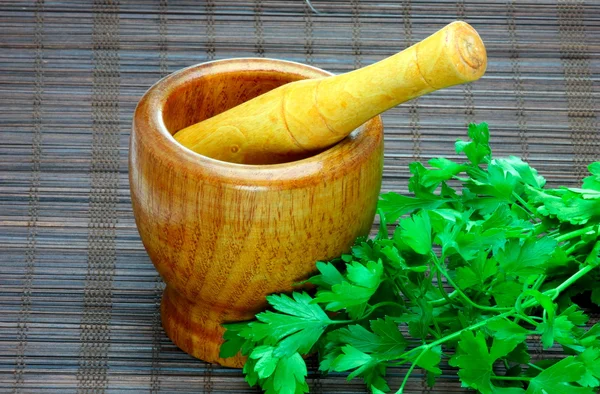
(209, 95)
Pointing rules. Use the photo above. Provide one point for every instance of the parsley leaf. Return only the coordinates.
(416, 232)
(496, 182)
(351, 358)
(473, 273)
(593, 182)
(478, 149)
(384, 338)
(590, 358)
(525, 258)
(518, 167)
(297, 328)
(566, 206)
(475, 361)
(477, 273)
(505, 329)
(359, 285)
(289, 376)
(396, 205)
(329, 275)
(558, 379)
(429, 360)
(266, 362)
(233, 341)
(443, 170)
(505, 293)
(391, 340)
(365, 365)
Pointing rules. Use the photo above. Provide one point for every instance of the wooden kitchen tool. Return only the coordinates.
(222, 235)
(304, 117)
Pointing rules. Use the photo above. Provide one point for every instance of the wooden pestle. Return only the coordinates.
(307, 116)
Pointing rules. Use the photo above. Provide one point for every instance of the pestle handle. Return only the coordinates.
(310, 115)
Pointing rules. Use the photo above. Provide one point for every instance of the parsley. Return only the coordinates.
(469, 274)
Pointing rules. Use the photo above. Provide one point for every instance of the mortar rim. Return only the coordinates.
(148, 121)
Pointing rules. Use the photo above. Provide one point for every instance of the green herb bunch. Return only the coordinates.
(469, 274)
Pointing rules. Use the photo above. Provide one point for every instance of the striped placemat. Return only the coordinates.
(78, 295)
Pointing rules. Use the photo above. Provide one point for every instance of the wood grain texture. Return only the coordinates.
(307, 116)
(225, 235)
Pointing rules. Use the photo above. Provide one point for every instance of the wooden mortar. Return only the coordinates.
(225, 235)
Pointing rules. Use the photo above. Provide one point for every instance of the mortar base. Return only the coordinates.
(195, 329)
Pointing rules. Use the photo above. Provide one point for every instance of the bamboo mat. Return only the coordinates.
(78, 295)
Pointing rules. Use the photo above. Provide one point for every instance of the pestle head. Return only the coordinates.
(456, 54)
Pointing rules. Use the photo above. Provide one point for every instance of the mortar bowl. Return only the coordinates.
(225, 235)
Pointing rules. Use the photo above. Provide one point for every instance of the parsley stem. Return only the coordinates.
(575, 233)
(575, 247)
(535, 367)
(442, 301)
(441, 286)
(403, 290)
(524, 203)
(379, 305)
(387, 303)
(437, 329)
(383, 230)
(535, 286)
(452, 336)
(521, 378)
(527, 319)
(572, 279)
(433, 333)
(341, 321)
(409, 372)
(539, 282)
(554, 293)
(531, 302)
(437, 264)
